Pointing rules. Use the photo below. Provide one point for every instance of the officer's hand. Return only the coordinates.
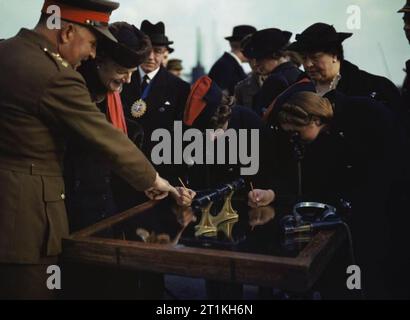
(160, 189)
(260, 198)
(184, 197)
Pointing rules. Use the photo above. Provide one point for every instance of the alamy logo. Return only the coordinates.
(54, 280)
(354, 20)
(354, 281)
(194, 151)
(54, 20)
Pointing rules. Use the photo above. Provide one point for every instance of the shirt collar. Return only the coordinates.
(323, 89)
(236, 58)
(151, 75)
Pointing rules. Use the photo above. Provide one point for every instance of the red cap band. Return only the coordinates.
(78, 15)
(195, 103)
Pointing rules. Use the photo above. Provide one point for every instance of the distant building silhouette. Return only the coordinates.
(198, 71)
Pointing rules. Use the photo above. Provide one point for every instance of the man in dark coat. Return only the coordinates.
(154, 99)
(161, 94)
(227, 71)
(52, 102)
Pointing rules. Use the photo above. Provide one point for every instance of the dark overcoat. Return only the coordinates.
(226, 72)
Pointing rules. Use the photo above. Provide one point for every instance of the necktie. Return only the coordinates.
(144, 84)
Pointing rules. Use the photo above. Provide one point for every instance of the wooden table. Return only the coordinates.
(296, 274)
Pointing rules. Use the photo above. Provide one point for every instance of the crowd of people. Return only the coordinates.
(75, 135)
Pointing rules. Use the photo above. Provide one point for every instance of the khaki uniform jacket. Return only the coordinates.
(42, 101)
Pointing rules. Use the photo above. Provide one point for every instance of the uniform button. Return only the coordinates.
(45, 49)
(104, 197)
(162, 109)
(349, 166)
(63, 196)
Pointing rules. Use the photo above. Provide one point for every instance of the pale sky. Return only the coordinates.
(381, 33)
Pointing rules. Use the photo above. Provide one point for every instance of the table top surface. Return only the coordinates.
(159, 237)
(255, 231)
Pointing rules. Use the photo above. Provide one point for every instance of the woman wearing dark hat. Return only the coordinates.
(209, 108)
(322, 51)
(268, 55)
(88, 175)
(267, 51)
(363, 148)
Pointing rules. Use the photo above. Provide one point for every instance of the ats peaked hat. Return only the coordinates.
(94, 14)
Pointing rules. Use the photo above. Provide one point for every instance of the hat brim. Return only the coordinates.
(126, 57)
(294, 46)
(104, 32)
(306, 45)
(404, 9)
(122, 54)
(100, 30)
(257, 50)
(232, 38)
(161, 44)
(344, 35)
(160, 40)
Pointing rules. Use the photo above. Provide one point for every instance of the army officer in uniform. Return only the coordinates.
(51, 101)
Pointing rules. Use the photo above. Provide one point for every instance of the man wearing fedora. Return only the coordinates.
(155, 98)
(228, 71)
(38, 116)
(323, 55)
